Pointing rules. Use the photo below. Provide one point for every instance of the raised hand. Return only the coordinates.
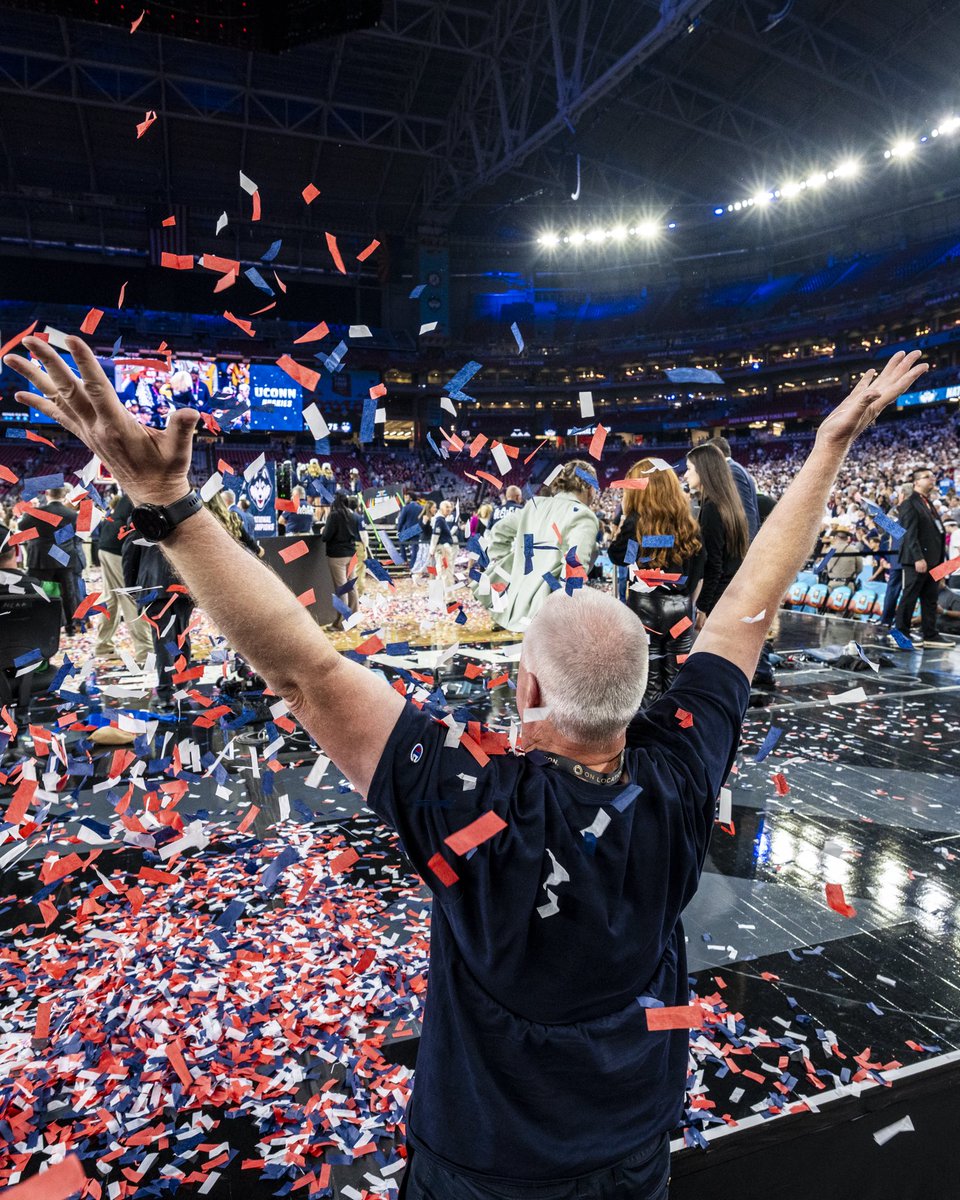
(870, 397)
(151, 465)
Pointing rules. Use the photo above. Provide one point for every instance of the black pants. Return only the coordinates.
(923, 588)
(892, 595)
(660, 611)
(643, 1176)
(166, 645)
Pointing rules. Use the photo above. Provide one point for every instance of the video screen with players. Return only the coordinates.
(151, 392)
(241, 395)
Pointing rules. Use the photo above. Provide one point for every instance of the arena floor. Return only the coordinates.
(246, 1012)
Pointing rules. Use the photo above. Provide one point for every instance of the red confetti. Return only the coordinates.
(15, 341)
(685, 718)
(168, 222)
(240, 323)
(780, 783)
(945, 568)
(681, 626)
(136, 24)
(335, 253)
(477, 832)
(597, 442)
(63, 1180)
(255, 215)
(303, 375)
(685, 1016)
(35, 437)
(297, 550)
(176, 262)
(343, 862)
(91, 321)
(315, 334)
(837, 901)
(310, 193)
(367, 251)
(42, 1027)
(148, 119)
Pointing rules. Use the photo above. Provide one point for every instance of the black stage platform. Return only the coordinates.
(831, 1055)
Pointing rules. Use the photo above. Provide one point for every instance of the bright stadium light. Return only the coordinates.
(549, 239)
(718, 211)
(762, 198)
(618, 233)
(902, 149)
(648, 229)
(847, 169)
(596, 235)
(577, 238)
(817, 180)
(790, 189)
(950, 125)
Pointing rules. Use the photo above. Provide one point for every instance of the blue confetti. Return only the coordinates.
(258, 281)
(773, 736)
(367, 420)
(658, 541)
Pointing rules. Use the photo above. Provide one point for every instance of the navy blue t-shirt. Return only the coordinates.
(441, 531)
(535, 1061)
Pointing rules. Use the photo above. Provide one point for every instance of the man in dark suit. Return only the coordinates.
(922, 548)
(408, 519)
(50, 553)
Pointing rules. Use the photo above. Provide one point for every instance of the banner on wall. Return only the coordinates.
(261, 491)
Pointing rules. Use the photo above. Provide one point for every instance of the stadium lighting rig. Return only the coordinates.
(648, 230)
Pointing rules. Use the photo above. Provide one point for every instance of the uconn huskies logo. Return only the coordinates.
(416, 753)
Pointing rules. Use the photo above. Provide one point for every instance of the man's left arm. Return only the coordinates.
(348, 710)
(737, 626)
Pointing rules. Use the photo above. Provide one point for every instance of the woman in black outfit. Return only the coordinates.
(341, 532)
(723, 523)
(661, 509)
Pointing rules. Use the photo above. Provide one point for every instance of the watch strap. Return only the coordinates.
(185, 507)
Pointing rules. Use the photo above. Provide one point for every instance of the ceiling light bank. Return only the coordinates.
(643, 231)
(902, 149)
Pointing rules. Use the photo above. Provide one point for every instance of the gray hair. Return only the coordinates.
(588, 652)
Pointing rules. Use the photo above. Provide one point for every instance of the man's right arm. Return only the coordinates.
(349, 711)
(911, 552)
(787, 537)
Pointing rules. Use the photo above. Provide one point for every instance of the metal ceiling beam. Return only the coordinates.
(81, 115)
(37, 73)
(822, 57)
(479, 150)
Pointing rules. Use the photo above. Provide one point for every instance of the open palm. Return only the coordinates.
(150, 465)
(871, 396)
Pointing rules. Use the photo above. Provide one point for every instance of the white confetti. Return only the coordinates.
(882, 1136)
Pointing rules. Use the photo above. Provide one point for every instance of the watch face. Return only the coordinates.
(151, 521)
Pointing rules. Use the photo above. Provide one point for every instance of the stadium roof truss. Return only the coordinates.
(447, 110)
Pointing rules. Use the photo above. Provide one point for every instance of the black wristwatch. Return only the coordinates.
(157, 521)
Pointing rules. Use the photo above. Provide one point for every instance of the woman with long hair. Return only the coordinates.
(422, 560)
(661, 510)
(232, 522)
(341, 532)
(723, 523)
